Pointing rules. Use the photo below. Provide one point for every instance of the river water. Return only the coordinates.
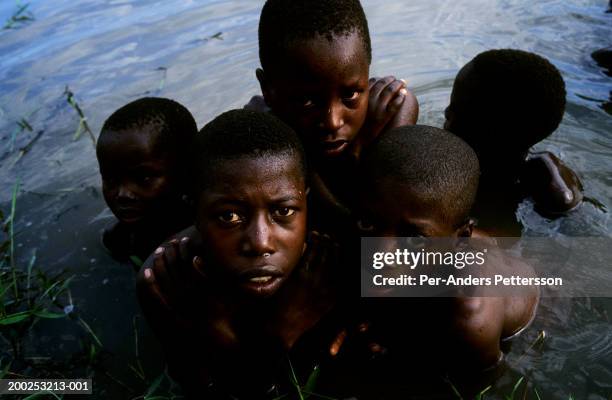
(204, 54)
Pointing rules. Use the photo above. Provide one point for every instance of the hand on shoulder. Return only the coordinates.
(167, 281)
(390, 105)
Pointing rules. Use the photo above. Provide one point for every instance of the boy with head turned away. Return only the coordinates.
(421, 181)
(142, 156)
(315, 58)
(504, 102)
(228, 319)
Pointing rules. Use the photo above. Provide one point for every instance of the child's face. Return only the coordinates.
(321, 90)
(138, 183)
(253, 221)
(391, 209)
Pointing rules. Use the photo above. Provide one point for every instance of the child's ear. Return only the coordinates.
(266, 90)
(466, 229)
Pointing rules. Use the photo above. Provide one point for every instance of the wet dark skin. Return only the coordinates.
(510, 174)
(322, 90)
(233, 311)
(468, 329)
(141, 187)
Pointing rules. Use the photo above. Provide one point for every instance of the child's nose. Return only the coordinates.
(124, 193)
(259, 237)
(334, 118)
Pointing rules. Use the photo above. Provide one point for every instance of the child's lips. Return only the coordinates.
(129, 214)
(262, 281)
(334, 147)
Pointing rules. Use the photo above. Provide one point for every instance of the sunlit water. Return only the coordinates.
(110, 53)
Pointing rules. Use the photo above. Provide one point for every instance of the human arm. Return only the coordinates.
(480, 321)
(171, 289)
(555, 188)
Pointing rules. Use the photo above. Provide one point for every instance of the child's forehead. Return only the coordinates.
(253, 171)
(389, 195)
(402, 205)
(323, 52)
(141, 141)
(254, 181)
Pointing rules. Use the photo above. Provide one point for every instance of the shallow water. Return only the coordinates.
(110, 53)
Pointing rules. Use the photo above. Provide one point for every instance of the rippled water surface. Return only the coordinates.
(110, 53)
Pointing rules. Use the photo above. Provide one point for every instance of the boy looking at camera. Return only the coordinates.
(254, 289)
(315, 58)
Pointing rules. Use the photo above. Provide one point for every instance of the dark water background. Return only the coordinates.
(110, 53)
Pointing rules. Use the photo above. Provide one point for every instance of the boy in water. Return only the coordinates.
(315, 58)
(420, 181)
(227, 320)
(141, 151)
(504, 102)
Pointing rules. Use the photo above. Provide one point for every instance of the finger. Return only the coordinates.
(170, 254)
(334, 349)
(153, 295)
(396, 104)
(379, 86)
(198, 266)
(371, 82)
(183, 249)
(171, 262)
(185, 264)
(160, 271)
(389, 93)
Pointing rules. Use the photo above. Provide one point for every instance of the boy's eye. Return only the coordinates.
(145, 178)
(229, 217)
(284, 212)
(417, 242)
(351, 95)
(365, 225)
(307, 103)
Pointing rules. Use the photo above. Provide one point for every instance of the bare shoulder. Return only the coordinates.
(477, 327)
(519, 303)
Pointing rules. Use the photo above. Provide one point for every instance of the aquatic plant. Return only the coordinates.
(29, 296)
(20, 16)
(22, 125)
(26, 294)
(306, 391)
(83, 125)
(162, 388)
